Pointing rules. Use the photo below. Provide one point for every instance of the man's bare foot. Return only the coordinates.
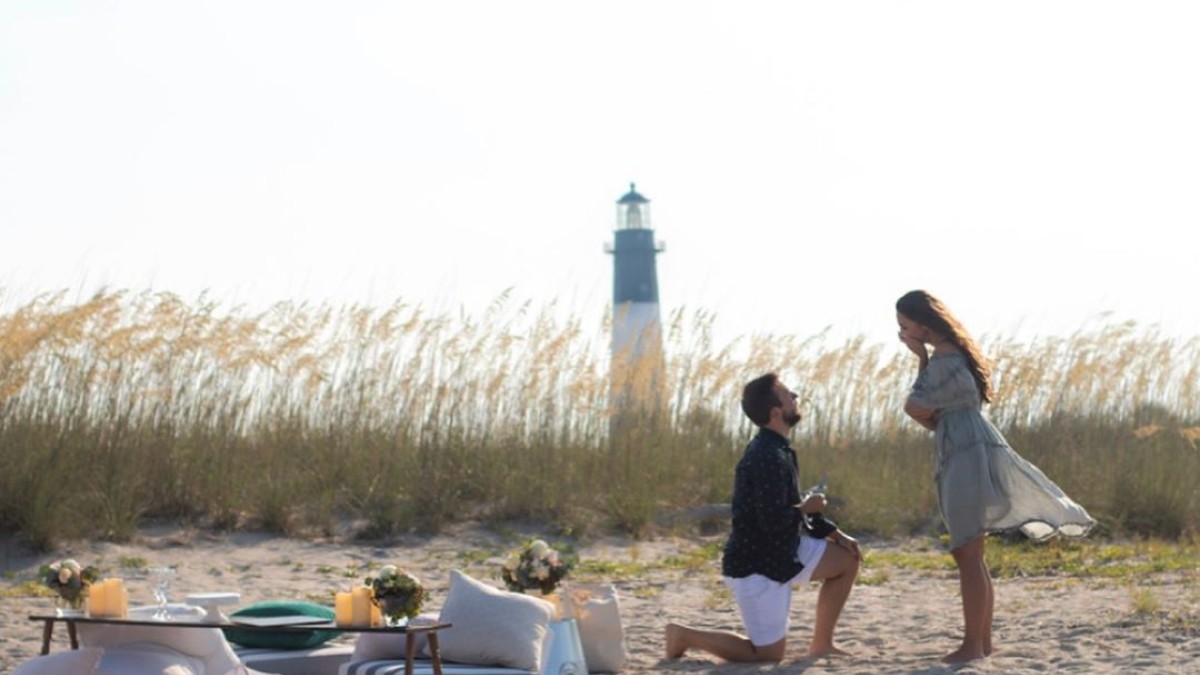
(826, 650)
(674, 641)
(963, 655)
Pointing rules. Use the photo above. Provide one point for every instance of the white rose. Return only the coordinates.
(538, 548)
(64, 575)
(387, 571)
(513, 562)
(552, 559)
(70, 564)
(542, 573)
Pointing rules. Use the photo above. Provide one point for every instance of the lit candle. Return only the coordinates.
(98, 601)
(118, 599)
(342, 607)
(360, 606)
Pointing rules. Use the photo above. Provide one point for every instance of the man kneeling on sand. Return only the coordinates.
(777, 540)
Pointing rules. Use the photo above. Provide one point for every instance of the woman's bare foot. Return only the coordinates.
(826, 650)
(674, 640)
(963, 655)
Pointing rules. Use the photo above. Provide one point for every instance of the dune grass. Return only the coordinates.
(1125, 560)
(1104, 559)
(134, 407)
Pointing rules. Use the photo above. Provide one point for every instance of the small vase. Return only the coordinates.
(69, 606)
(391, 607)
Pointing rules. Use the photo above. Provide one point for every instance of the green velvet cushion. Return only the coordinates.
(282, 640)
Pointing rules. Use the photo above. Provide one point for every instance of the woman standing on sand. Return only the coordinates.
(983, 486)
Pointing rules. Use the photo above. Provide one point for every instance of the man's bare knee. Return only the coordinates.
(835, 563)
(773, 652)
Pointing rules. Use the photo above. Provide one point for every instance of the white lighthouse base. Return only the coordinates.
(637, 330)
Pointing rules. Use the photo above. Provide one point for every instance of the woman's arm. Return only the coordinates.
(926, 417)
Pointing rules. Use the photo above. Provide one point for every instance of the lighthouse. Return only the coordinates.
(637, 325)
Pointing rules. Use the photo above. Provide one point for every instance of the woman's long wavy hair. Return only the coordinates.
(928, 311)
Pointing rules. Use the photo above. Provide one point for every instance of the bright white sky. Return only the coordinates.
(1034, 163)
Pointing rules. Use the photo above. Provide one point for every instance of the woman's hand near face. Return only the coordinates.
(914, 345)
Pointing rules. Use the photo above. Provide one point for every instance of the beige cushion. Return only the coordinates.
(493, 627)
(600, 630)
(208, 645)
(75, 662)
(129, 659)
(150, 659)
(383, 646)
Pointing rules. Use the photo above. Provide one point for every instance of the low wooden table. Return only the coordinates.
(410, 650)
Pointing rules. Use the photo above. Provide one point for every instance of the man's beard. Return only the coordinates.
(791, 418)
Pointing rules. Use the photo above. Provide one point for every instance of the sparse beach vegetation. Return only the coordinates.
(131, 408)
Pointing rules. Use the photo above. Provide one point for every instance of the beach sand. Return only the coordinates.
(898, 624)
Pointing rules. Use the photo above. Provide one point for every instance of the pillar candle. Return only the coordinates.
(342, 608)
(376, 615)
(118, 599)
(360, 606)
(98, 596)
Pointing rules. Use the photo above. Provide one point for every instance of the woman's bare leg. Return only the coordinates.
(726, 645)
(990, 607)
(974, 583)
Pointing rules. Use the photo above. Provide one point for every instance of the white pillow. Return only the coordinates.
(75, 662)
(206, 644)
(130, 659)
(149, 659)
(493, 627)
(600, 630)
(384, 646)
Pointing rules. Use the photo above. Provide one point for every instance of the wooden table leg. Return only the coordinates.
(410, 650)
(435, 653)
(47, 631)
(73, 635)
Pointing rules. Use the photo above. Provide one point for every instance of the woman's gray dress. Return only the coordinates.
(983, 486)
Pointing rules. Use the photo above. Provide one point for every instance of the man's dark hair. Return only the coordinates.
(758, 397)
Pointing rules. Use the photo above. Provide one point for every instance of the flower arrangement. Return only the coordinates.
(535, 566)
(397, 593)
(69, 580)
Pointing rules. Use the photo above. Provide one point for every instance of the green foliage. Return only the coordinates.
(398, 593)
(695, 558)
(475, 556)
(1087, 558)
(609, 569)
(1144, 602)
(132, 562)
(27, 589)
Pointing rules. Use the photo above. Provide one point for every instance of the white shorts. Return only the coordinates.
(765, 603)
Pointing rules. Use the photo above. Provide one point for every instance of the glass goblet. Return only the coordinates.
(160, 577)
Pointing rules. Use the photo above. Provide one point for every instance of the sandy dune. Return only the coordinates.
(902, 625)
